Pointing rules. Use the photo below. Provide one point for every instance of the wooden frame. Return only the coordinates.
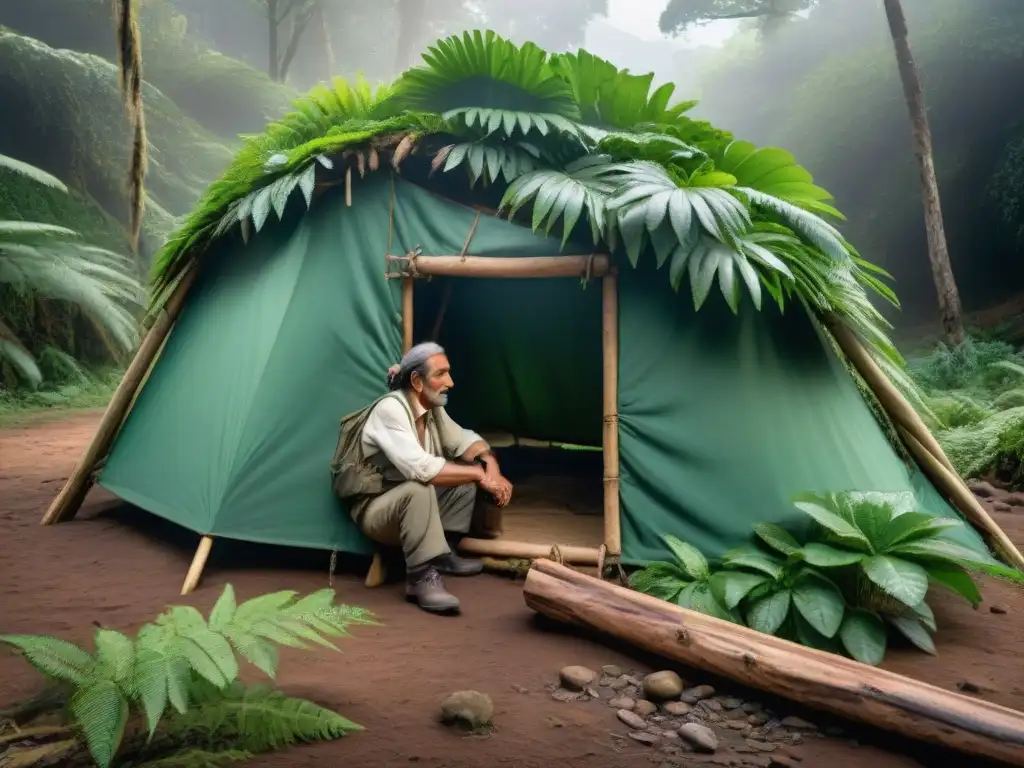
(534, 267)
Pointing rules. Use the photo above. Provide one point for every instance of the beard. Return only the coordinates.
(436, 398)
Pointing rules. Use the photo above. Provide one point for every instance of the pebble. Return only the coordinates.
(757, 718)
(662, 686)
(644, 738)
(798, 723)
(732, 703)
(700, 737)
(760, 746)
(606, 681)
(698, 693)
(968, 687)
(631, 719)
(750, 707)
(1000, 609)
(678, 708)
(563, 695)
(623, 702)
(736, 725)
(470, 708)
(645, 708)
(619, 684)
(576, 678)
(610, 670)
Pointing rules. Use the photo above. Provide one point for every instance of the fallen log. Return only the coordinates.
(813, 678)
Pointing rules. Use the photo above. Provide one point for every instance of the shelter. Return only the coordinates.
(561, 324)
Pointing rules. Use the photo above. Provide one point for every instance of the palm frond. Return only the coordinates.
(31, 172)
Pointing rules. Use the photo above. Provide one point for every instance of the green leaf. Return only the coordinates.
(101, 713)
(659, 579)
(916, 632)
(836, 525)
(812, 638)
(689, 557)
(153, 667)
(914, 526)
(939, 550)
(223, 610)
(751, 557)
(825, 556)
(820, 602)
(115, 657)
(777, 537)
(956, 579)
(863, 636)
(768, 614)
(730, 587)
(924, 613)
(703, 600)
(55, 658)
(902, 579)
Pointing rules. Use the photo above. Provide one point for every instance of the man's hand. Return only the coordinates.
(497, 485)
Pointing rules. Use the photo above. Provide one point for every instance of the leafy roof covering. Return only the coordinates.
(575, 144)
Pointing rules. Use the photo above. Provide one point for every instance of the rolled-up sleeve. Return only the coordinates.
(389, 430)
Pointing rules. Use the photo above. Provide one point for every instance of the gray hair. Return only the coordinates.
(413, 361)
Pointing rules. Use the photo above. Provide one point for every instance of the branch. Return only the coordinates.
(293, 44)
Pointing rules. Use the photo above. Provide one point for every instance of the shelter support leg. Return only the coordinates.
(195, 571)
(922, 444)
(610, 434)
(65, 506)
(378, 572)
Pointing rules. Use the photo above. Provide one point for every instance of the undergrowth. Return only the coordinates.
(67, 386)
(975, 394)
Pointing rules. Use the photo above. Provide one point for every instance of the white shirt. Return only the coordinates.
(389, 430)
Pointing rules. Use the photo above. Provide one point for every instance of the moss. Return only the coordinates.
(70, 122)
(975, 450)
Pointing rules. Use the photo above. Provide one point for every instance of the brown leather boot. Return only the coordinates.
(425, 587)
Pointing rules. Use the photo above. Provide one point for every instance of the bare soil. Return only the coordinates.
(116, 566)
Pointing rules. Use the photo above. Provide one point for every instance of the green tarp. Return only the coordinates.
(722, 419)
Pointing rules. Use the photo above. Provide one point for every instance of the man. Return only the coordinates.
(409, 474)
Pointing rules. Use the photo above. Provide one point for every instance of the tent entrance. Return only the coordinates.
(534, 360)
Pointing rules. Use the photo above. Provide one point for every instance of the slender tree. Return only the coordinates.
(129, 56)
(680, 15)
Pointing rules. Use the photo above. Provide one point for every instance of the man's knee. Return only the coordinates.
(417, 497)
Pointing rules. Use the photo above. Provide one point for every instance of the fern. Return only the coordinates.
(198, 758)
(182, 659)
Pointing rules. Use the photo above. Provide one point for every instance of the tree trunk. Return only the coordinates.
(412, 15)
(325, 38)
(950, 309)
(272, 44)
(299, 24)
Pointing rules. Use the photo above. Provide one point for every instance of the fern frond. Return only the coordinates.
(199, 758)
(255, 719)
(101, 713)
(488, 161)
(31, 172)
(813, 229)
(57, 659)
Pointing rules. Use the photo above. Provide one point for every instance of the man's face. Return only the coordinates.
(432, 389)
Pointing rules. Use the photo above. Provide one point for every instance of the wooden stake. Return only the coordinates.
(378, 573)
(964, 500)
(71, 496)
(813, 678)
(348, 187)
(508, 266)
(610, 435)
(527, 550)
(195, 570)
(407, 314)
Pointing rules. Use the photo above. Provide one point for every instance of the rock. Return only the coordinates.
(631, 719)
(663, 686)
(982, 489)
(798, 723)
(1001, 506)
(623, 702)
(610, 670)
(700, 737)
(619, 684)
(760, 746)
(467, 708)
(645, 708)
(644, 738)
(520, 689)
(750, 707)
(757, 718)
(736, 725)
(576, 678)
(968, 687)
(560, 694)
(678, 708)
(592, 692)
(605, 682)
(999, 609)
(711, 705)
(732, 703)
(699, 693)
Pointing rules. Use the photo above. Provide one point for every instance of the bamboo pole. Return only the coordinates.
(610, 435)
(65, 506)
(507, 266)
(195, 570)
(527, 550)
(813, 678)
(923, 445)
(895, 404)
(964, 500)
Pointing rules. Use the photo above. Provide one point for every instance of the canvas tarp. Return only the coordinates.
(721, 419)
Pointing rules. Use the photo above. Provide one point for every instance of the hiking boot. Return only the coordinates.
(455, 565)
(425, 587)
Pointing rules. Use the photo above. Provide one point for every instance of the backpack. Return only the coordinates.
(352, 475)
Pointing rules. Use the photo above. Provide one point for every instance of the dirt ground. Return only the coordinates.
(115, 566)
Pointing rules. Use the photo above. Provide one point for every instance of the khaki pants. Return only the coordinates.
(416, 516)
